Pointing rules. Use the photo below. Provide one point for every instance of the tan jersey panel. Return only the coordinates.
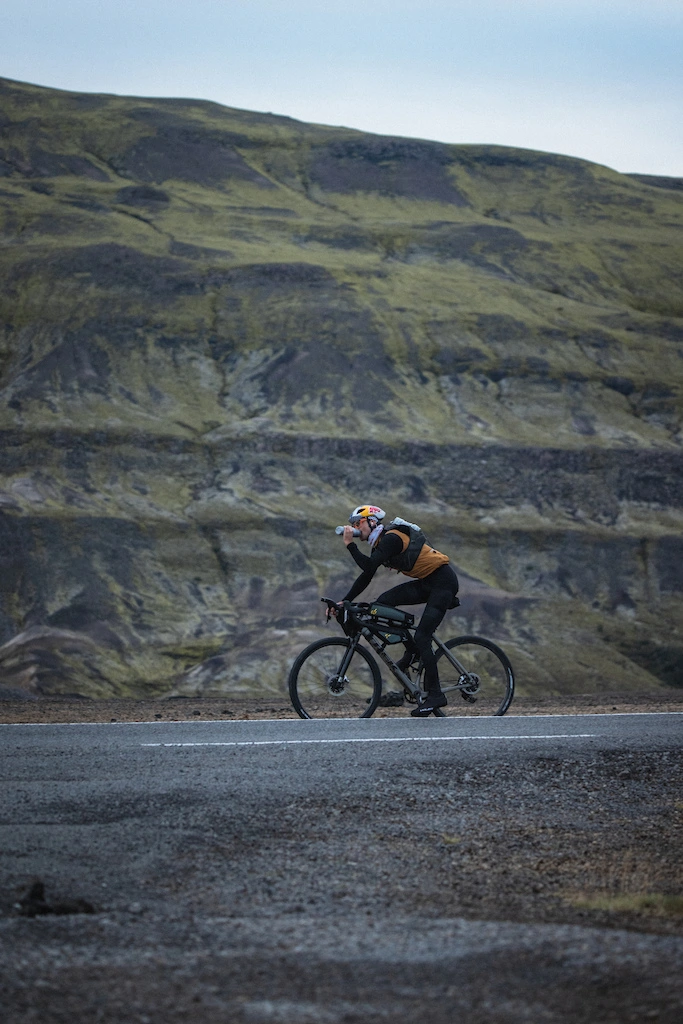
(427, 561)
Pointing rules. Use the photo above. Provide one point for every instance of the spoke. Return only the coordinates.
(485, 684)
(323, 691)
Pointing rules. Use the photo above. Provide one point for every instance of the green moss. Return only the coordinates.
(646, 904)
(193, 651)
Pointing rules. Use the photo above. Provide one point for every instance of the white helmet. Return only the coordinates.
(368, 512)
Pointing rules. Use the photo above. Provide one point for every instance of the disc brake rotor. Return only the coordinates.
(335, 685)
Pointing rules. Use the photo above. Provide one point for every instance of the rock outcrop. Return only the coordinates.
(222, 330)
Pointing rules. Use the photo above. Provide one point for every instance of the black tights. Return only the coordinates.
(437, 591)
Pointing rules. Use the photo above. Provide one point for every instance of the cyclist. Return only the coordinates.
(404, 547)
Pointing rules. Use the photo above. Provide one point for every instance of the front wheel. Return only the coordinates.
(319, 689)
(482, 684)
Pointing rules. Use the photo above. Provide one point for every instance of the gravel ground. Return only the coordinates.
(472, 886)
(183, 709)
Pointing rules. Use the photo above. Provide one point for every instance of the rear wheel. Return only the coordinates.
(486, 684)
(318, 689)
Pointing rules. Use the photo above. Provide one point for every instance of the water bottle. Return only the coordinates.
(340, 529)
(403, 522)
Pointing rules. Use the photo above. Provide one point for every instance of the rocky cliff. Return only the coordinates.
(222, 330)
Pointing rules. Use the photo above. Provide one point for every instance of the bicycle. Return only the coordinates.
(338, 678)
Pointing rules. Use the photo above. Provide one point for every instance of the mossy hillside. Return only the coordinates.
(183, 281)
(463, 366)
(190, 589)
(512, 274)
(363, 297)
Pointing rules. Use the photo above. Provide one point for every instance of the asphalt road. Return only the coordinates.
(334, 871)
(606, 731)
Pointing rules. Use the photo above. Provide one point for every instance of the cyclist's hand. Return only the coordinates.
(348, 535)
(333, 609)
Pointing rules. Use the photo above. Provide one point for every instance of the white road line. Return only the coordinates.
(374, 739)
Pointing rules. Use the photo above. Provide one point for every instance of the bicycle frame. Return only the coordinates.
(413, 688)
(373, 635)
(463, 673)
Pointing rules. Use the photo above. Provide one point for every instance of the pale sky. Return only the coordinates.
(599, 79)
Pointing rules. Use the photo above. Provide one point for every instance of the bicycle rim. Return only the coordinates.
(317, 690)
(491, 682)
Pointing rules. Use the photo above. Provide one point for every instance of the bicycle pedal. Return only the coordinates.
(468, 697)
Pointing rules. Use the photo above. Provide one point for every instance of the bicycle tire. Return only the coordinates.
(312, 681)
(496, 687)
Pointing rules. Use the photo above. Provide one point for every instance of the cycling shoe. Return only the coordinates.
(428, 704)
